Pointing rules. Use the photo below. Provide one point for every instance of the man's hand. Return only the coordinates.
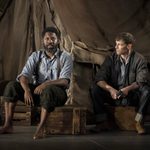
(28, 98)
(113, 93)
(38, 90)
(120, 94)
(125, 91)
(129, 88)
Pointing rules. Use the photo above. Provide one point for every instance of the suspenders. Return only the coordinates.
(58, 63)
(36, 75)
(36, 70)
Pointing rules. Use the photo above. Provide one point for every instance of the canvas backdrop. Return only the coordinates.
(88, 29)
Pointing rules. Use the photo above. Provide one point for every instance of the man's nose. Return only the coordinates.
(50, 41)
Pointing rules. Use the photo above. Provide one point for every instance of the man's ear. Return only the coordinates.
(129, 46)
(58, 41)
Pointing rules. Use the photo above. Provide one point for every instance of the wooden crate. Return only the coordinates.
(122, 117)
(22, 119)
(125, 118)
(67, 120)
(22, 114)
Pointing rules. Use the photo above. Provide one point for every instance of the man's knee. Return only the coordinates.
(11, 84)
(49, 88)
(10, 91)
(47, 99)
(96, 91)
(52, 96)
(146, 90)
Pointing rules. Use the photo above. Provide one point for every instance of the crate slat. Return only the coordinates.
(67, 120)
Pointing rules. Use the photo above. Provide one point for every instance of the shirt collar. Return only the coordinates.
(127, 60)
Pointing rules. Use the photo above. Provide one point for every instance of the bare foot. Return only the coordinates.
(6, 130)
(39, 133)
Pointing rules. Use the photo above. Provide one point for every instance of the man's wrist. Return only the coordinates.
(109, 89)
(27, 90)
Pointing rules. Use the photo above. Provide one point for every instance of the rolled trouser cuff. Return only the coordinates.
(13, 92)
(8, 99)
(52, 97)
(138, 117)
(49, 109)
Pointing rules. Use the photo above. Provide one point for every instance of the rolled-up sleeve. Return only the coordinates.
(66, 67)
(28, 69)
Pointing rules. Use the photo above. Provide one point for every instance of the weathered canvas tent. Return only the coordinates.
(88, 28)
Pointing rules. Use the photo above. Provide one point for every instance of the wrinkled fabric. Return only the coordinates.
(88, 29)
(92, 23)
(50, 97)
(136, 71)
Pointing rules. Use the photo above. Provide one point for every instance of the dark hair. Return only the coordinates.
(51, 29)
(128, 38)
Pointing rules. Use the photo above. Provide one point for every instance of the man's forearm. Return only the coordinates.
(132, 86)
(105, 86)
(24, 83)
(61, 82)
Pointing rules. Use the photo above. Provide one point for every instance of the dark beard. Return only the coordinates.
(50, 50)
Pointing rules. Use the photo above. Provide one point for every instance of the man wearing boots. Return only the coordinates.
(121, 80)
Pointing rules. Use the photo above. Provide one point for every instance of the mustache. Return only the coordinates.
(50, 45)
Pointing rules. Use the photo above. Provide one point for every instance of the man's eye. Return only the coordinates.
(53, 39)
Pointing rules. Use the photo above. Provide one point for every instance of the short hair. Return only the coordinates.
(128, 38)
(52, 30)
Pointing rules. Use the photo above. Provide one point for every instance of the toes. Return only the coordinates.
(38, 136)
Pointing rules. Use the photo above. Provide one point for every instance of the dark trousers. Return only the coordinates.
(139, 98)
(51, 97)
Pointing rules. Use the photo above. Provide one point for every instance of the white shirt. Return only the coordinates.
(48, 68)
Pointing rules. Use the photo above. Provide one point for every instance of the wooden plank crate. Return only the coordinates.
(123, 117)
(22, 114)
(67, 120)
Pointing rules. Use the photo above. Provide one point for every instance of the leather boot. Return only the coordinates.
(139, 128)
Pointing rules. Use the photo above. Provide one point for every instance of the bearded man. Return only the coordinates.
(51, 68)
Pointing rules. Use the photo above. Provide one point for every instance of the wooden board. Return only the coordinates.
(125, 117)
(22, 114)
(67, 120)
